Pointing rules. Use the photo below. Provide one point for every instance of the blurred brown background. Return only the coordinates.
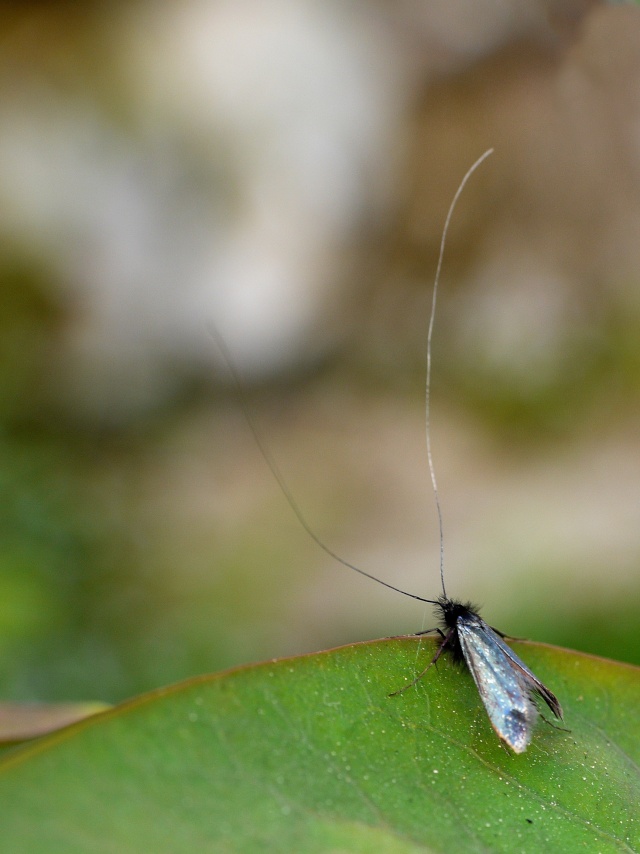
(282, 170)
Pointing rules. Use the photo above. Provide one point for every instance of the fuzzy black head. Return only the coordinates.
(448, 611)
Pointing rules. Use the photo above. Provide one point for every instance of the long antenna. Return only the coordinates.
(273, 466)
(432, 470)
(275, 471)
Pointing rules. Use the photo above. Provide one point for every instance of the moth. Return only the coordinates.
(509, 691)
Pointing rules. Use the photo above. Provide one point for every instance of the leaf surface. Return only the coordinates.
(311, 754)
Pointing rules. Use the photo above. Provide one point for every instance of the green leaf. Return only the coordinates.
(311, 754)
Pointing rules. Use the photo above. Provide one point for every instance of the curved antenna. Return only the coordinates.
(432, 470)
(270, 461)
(275, 471)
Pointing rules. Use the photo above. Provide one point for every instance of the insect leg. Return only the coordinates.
(440, 650)
(427, 632)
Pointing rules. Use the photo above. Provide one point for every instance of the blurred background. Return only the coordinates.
(282, 170)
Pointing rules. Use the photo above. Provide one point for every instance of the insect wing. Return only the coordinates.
(530, 678)
(504, 685)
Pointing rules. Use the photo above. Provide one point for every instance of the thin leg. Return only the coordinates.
(551, 723)
(439, 652)
(506, 637)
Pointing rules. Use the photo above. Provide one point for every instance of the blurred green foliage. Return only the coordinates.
(596, 376)
(111, 583)
(92, 606)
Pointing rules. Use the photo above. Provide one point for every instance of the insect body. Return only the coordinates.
(507, 688)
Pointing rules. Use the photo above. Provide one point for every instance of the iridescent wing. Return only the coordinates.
(531, 679)
(504, 682)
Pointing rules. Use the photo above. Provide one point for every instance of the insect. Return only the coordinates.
(509, 691)
(507, 688)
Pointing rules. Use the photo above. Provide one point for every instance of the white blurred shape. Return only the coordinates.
(261, 138)
(305, 99)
